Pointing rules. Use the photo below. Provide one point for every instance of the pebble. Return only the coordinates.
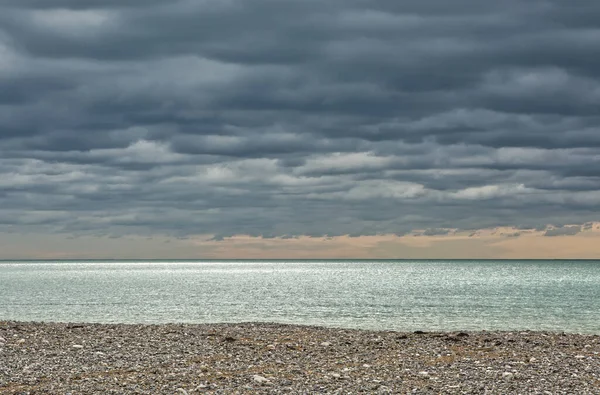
(260, 379)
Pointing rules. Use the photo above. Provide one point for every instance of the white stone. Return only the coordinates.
(423, 373)
(580, 356)
(507, 375)
(181, 391)
(79, 346)
(260, 379)
(335, 375)
(326, 344)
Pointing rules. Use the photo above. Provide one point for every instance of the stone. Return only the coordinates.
(78, 346)
(326, 344)
(260, 379)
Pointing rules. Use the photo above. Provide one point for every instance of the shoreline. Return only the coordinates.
(299, 325)
(316, 325)
(286, 358)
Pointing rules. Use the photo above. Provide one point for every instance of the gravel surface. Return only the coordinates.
(288, 359)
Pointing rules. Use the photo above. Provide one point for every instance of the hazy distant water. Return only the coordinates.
(398, 295)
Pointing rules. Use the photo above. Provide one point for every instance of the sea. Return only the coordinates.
(401, 295)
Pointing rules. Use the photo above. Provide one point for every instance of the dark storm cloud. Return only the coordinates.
(275, 118)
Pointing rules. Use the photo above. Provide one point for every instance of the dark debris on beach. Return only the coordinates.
(254, 358)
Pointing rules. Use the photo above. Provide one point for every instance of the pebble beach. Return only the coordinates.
(262, 358)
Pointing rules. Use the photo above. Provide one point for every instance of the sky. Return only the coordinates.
(299, 129)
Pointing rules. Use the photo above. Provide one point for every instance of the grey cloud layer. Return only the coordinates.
(299, 117)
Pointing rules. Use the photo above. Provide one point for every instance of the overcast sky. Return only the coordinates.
(269, 118)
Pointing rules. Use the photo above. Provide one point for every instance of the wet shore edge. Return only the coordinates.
(284, 358)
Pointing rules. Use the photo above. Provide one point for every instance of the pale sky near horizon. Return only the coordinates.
(498, 243)
(299, 128)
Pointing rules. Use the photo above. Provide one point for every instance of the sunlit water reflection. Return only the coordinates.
(398, 295)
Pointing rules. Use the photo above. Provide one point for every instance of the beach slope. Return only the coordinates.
(274, 358)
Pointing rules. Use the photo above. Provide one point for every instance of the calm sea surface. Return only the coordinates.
(397, 295)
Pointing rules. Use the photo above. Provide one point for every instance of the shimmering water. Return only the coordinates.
(398, 295)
